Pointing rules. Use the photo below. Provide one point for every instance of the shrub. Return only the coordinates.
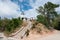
(42, 19)
(9, 25)
(56, 23)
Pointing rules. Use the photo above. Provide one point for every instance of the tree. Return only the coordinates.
(48, 11)
(56, 22)
(9, 25)
(42, 19)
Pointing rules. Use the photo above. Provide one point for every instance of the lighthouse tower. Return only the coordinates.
(23, 16)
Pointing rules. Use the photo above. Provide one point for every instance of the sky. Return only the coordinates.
(13, 8)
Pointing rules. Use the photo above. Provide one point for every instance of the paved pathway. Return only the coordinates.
(21, 33)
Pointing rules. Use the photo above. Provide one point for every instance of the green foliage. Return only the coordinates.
(9, 25)
(50, 6)
(56, 23)
(48, 13)
(42, 20)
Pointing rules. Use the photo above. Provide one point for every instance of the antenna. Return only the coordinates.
(22, 13)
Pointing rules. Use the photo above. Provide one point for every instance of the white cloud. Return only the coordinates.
(33, 13)
(58, 9)
(8, 9)
(42, 2)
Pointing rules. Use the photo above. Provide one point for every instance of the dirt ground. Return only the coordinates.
(49, 36)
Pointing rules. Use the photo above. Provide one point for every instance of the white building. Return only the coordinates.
(22, 16)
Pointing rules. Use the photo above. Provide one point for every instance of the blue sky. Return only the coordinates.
(24, 4)
(13, 8)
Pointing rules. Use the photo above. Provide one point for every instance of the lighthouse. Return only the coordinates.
(23, 16)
